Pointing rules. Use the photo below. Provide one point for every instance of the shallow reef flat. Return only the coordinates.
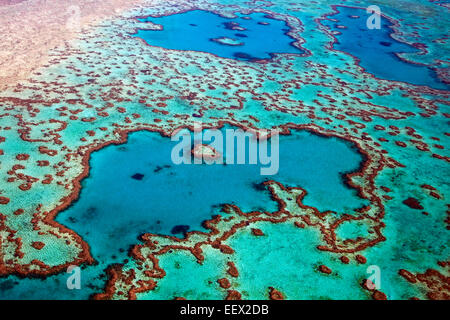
(86, 116)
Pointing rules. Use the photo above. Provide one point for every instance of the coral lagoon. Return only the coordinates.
(358, 209)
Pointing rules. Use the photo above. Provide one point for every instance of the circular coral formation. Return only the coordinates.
(257, 232)
(274, 294)
(413, 203)
(4, 200)
(224, 283)
(324, 269)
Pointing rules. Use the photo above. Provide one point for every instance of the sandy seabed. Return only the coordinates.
(30, 28)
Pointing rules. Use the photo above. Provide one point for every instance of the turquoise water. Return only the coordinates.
(135, 188)
(254, 36)
(377, 49)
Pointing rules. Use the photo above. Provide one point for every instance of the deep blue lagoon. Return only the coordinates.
(377, 50)
(135, 188)
(245, 37)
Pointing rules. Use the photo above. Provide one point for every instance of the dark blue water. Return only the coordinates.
(135, 188)
(254, 36)
(376, 49)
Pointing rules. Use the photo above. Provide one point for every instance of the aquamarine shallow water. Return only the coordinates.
(377, 50)
(114, 208)
(260, 37)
